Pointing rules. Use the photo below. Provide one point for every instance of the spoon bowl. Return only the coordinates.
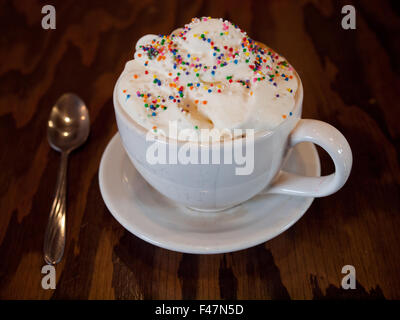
(68, 125)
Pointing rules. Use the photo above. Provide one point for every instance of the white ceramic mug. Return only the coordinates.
(214, 187)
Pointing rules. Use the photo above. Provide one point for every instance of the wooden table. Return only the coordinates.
(351, 80)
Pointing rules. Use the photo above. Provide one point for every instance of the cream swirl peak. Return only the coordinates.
(209, 74)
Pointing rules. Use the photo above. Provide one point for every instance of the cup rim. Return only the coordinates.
(258, 134)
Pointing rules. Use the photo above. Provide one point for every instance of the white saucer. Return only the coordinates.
(147, 214)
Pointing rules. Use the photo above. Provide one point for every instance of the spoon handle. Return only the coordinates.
(54, 239)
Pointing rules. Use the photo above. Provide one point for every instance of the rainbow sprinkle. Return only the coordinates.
(165, 47)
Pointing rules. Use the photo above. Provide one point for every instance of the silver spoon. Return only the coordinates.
(68, 128)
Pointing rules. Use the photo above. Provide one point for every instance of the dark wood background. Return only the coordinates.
(351, 80)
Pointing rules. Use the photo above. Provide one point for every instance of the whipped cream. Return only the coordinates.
(207, 75)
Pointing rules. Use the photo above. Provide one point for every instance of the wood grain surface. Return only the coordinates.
(351, 80)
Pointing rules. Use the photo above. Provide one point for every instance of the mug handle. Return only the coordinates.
(333, 142)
